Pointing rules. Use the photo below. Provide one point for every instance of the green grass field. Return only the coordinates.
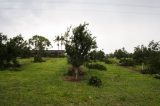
(39, 84)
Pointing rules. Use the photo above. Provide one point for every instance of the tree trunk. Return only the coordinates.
(61, 46)
(142, 66)
(37, 57)
(76, 70)
(58, 45)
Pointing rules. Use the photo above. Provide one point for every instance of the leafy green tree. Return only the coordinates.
(110, 55)
(10, 49)
(93, 55)
(25, 52)
(97, 55)
(141, 55)
(78, 46)
(121, 53)
(100, 55)
(39, 43)
(148, 55)
(15, 47)
(154, 57)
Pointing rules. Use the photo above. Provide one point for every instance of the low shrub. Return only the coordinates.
(38, 59)
(95, 81)
(145, 71)
(149, 71)
(70, 72)
(126, 62)
(107, 61)
(96, 66)
(157, 76)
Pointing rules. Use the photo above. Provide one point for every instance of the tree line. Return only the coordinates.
(146, 56)
(11, 48)
(80, 47)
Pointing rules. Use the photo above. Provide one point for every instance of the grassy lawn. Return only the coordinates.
(39, 84)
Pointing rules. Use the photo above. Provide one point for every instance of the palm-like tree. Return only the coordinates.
(62, 39)
(57, 39)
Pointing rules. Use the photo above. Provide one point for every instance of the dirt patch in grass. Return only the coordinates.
(73, 78)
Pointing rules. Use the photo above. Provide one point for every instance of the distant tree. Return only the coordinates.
(100, 55)
(39, 43)
(141, 55)
(25, 52)
(110, 55)
(130, 55)
(15, 47)
(126, 62)
(148, 55)
(97, 55)
(10, 49)
(78, 46)
(121, 53)
(93, 55)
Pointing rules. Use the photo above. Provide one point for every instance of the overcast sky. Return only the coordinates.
(115, 23)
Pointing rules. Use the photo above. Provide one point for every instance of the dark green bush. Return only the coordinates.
(107, 61)
(146, 71)
(16, 63)
(95, 81)
(149, 71)
(96, 66)
(38, 59)
(157, 76)
(126, 62)
(70, 73)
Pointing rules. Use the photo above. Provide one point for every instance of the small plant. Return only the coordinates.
(96, 66)
(95, 81)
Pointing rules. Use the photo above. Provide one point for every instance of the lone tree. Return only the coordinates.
(78, 46)
(121, 53)
(39, 43)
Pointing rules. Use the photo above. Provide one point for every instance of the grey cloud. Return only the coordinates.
(115, 23)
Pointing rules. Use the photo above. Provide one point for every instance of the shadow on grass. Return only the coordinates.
(11, 69)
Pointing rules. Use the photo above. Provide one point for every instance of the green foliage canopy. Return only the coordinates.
(39, 43)
(79, 45)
